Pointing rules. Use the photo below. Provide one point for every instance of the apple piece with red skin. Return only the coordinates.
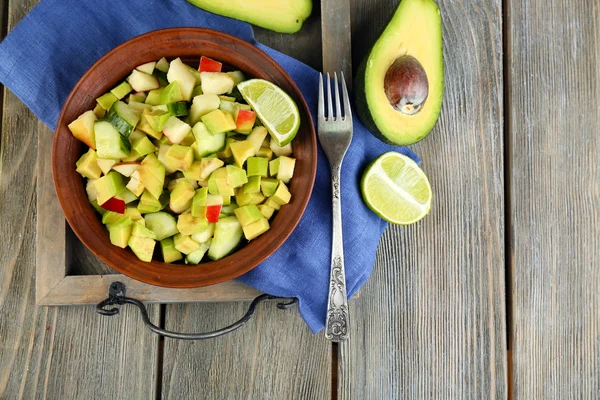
(214, 203)
(209, 65)
(126, 168)
(115, 205)
(244, 120)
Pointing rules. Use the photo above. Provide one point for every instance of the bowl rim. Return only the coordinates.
(244, 267)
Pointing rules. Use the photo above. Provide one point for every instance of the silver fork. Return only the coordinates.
(335, 135)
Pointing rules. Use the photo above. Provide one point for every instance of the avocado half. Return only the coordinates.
(415, 30)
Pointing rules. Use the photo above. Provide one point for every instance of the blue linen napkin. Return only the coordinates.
(50, 49)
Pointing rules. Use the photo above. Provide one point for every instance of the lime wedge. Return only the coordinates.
(396, 189)
(275, 109)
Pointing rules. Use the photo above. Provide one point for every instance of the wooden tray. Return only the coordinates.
(56, 282)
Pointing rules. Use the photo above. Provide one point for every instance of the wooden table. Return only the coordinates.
(496, 294)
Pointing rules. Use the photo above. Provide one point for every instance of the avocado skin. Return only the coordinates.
(361, 106)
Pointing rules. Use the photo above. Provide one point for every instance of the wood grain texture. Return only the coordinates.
(54, 352)
(554, 120)
(274, 356)
(430, 323)
(336, 33)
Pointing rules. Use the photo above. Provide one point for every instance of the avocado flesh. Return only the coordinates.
(415, 30)
(284, 16)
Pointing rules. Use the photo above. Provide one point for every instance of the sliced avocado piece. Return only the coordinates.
(169, 252)
(247, 214)
(268, 186)
(121, 90)
(180, 157)
(243, 199)
(196, 256)
(199, 202)
(266, 211)
(140, 230)
(110, 218)
(162, 224)
(236, 176)
(87, 165)
(218, 121)
(282, 195)
(185, 244)
(189, 225)
(149, 203)
(106, 100)
(108, 186)
(253, 185)
(257, 166)
(256, 228)
(400, 84)
(153, 97)
(143, 146)
(283, 16)
(171, 94)
(83, 128)
(134, 214)
(265, 152)
(205, 234)
(193, 172)
(120, 233)
(181, 196)
(272, 203)
(241, 151)
(143, 248)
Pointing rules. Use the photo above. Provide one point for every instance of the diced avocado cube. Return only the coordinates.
(162, 154)
(226, 153)
(257, 228)
(282, 194)
(151, 178)
(257, 166)
(154, 97)
(266, 211)
(272, 203)
(212, 185)
(88, 166)
(134, 214)
(171, 94)
(247, 214)
(91, 190)
(185, 244)
(226, 200)
(83, 128)
(188, 140)
(106, 100)
(110, 218)
(138, 106)
(149, 204)
(99, 112)
(169, 252)
(196, 256)
(162, 224)
(143, 248)
(265, 152)
(137, 97)
(121, 232)
(121, 90)
(236, 176)
(134, 185)
(193, 172)
(157, 119)
(253, 185)
(188, 225)
(199, 202)
(257, 137)
(221, 178)
(285, 171)
(205, 234)
(144, 146)
(241, 151)
(180, 157)
(244, 199)
(181, 196)
(133, 156)
(268, 186)
(140, 230)
(218, 121)
(108, 186)
(274, 167)
(145, 126)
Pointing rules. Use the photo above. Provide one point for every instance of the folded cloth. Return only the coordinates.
(50, 49)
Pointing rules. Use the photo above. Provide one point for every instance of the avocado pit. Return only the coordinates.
(406, 85)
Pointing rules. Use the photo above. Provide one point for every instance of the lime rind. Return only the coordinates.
(269, 103)
(396, 189)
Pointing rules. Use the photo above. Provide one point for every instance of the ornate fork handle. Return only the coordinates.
(336, 325)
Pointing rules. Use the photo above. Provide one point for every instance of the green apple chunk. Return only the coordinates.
(216, 82)
(205, 234)
(176, 130)
(141, 82)
(179, 72)
(202, 105)
(285, 172)
(83, 128)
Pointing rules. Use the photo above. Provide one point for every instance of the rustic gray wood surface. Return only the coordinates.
(431, 322)
(553, 63)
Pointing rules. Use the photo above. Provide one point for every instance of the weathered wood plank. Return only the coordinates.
(554, 120)
(274, 356)
(336, 34)
(430, 323)
(65, 352)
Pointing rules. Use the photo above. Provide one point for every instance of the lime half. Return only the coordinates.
(396, 189)
(275, 108)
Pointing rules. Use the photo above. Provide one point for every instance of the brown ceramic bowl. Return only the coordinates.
(189, 44)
